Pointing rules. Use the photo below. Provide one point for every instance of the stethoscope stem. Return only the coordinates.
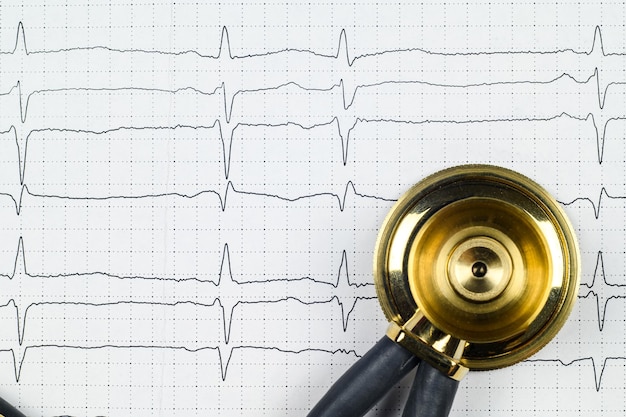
(367, 381)
(7, 410)
(372, 376)
(431, 394)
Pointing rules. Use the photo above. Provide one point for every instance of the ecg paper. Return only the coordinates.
(190, 193)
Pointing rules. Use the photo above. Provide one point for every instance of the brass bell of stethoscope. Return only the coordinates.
(475, 267)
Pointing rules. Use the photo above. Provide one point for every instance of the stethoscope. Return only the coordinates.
(475, 267)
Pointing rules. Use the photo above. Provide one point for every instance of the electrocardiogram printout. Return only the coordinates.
(190, 193)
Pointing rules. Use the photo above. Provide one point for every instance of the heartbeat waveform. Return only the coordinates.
(227, 145)
(24, 103)
(597, 375)
(350, 188)
(227, 138)
(342, 291)
(340, 199)
(348, 97)
(22, 161)
(602, 300)
(224, 359)
(599, 270)
(225, 50)
(595, 205)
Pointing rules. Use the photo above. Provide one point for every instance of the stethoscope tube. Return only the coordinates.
(372, 376)
(431, 394)
(7, 410)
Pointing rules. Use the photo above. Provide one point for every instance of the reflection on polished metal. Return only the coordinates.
(476, 267)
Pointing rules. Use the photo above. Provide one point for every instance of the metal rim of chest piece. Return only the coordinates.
(476, 267)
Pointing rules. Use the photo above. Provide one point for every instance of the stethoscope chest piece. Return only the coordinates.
(476, 267)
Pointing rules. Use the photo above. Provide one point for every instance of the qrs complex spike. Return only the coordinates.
(602, 290)
(596, 204)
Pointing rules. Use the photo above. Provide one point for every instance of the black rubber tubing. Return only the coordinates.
(7, 410)
(431, 394)
(367, 381)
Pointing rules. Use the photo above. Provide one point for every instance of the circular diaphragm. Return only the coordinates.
(486, 256)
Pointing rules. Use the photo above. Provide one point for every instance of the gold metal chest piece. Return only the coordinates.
(476, 267)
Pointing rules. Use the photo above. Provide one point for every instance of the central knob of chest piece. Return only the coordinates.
(479, 268)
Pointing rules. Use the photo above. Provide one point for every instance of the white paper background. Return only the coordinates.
(190, 193)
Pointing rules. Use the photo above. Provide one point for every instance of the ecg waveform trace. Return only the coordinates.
(213, 210)
(226, 118)
(225, 280)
